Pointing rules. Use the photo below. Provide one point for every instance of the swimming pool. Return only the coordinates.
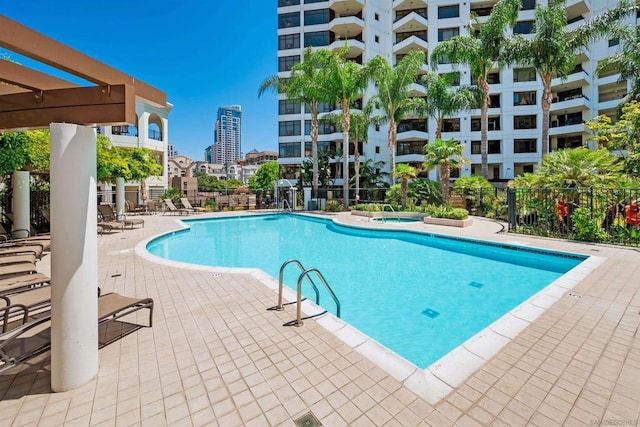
(419, 294)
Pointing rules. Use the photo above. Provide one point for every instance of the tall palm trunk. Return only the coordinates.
(356, 161)
(403, 191)
(439, 122)
(445, 177)
(393, 135)
(346, 125)
(547, 98)
(484, 125)
(314, 146)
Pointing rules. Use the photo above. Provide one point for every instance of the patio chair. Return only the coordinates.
(22, 282)
(9, 270)
(132, 208)
(18, 248)
(34, 298)
(173, 210)
(109, 217)
(23, 339)
(18, 259)
(187, 205)
(10, 237)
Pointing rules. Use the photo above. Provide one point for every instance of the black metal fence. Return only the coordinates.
(39, 202)
(486, 202)
(605, 215)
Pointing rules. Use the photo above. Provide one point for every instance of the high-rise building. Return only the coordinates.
(394, 28)
(227, 145)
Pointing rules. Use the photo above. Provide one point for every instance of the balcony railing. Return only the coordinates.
(155, 134)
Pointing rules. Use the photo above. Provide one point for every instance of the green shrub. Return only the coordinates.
(333, 206)
(585, 227)
(446, 211)
(172, 193)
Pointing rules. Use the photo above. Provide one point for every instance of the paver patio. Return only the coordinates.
(215, 356)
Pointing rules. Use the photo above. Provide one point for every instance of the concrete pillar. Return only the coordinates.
(307, 198)
(120, 197)
(74, 257)
(21, 204)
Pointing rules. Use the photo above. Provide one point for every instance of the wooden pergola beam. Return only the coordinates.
(27, 78)
(24, 41)
(82, 105)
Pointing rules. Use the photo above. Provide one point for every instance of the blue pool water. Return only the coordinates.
(421, 295)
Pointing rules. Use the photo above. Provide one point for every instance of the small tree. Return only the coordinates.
(265, 177)
(444, 155)
(142, 164)
(404, 172)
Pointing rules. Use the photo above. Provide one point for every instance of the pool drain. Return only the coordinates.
(432, 314)
(476, 285)
(572, 295)
(308, 420)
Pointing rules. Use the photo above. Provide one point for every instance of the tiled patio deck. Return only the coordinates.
(215, 356)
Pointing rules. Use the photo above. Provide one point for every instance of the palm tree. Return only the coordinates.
(404, 172)
(627, 62)
(445, 155)
(303, 86)
(481, 52)
(552, 51)
(580, 168)
(393, 98)
(344, 81)
(360, 122)
(443, 101)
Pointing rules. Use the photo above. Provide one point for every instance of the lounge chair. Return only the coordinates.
(22, 282)
(173, 210)
(23, 339)
(187, 205)
(18, 248)
(34, 299)
(7, 237)
(132, 208)
(17, 259)
(9, 270)
(109, 217)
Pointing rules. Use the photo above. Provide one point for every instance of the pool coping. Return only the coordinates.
(450, 371)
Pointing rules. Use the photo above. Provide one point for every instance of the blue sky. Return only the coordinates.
(203, 53)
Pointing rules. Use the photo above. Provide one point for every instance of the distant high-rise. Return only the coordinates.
(226, 148)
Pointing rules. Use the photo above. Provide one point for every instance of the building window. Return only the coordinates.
(282, 3)
(289, 149)
(315, 17)
(524, 122)
(377, 39)
(614, 42)
(524, 98)
(524, 145)
(523, 27)
(377, 149)
(376, 16)
(289, 41)
(493, 147)
(286, 62)
(289, 128)
(313, 1)
(316, 38)
(455, 77)
(445, 12)
(323, 128)
(447, 33)
(288, 107)
(528, 5)
(524, 75)
(527, 168)
(409, 147)
(493, 123)
(574, 141)
(323, 107)
(289, 20)
(451, 125)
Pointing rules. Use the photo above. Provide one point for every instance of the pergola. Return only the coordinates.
(30, 99)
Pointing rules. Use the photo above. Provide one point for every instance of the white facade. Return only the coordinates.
(393, 28)
(152, 131)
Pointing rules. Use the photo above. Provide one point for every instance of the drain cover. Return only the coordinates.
(308, 420)
(476, 285)
(430, 313)
(572, 295)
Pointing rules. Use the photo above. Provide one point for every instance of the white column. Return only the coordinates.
(120, 197)
(74, 257)
(21, 203)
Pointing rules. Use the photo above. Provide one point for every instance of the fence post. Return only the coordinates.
(511, 207)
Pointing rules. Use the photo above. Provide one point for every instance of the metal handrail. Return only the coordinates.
(392, 210)
(286, 202)
(280, 307)
(304, 274)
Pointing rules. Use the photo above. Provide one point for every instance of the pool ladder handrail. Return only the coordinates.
(305, 273)
(280, 307)
(286, 202)
(392, 210)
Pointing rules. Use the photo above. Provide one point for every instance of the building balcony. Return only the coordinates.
(411, 43)
(417, 90)
(609, 79)
(577, 7)
(566, 128)
(412, 135)
(611, 104)
(344, 7)
(578, 78)
(408, 4)
(571, 104)
(355, 48)
(346, 27)
(411, 22)
(573, 24)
